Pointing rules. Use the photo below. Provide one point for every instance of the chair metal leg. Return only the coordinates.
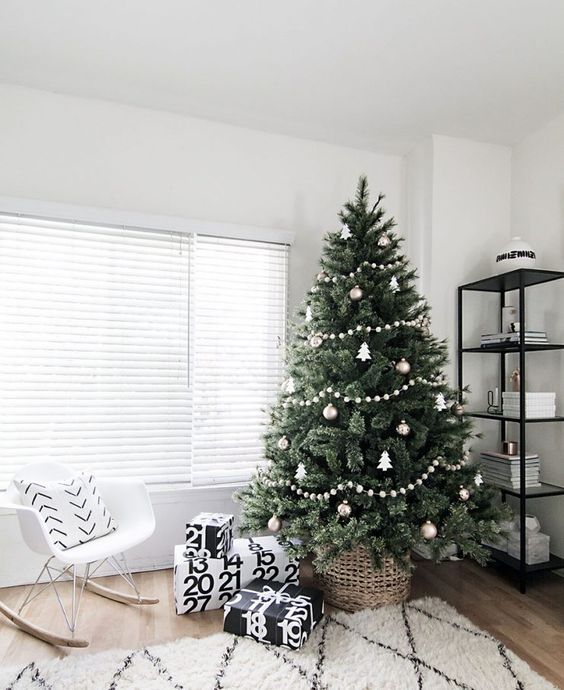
(79, 583)
(76, 593)
(122, 569)
(55, 576)
(29, 596)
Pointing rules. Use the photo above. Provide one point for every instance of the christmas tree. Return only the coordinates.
(367, 443)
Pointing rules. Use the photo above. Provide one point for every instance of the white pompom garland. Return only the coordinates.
(325, 278)
(352, 487)
(419, 322)
(329, 391)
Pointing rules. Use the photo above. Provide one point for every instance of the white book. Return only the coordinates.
(504, 485)
(510, 473)
(496, 455)
(515, 395)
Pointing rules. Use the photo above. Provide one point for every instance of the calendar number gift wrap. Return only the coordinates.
(202, 583)
(209, 534)
(274, 613)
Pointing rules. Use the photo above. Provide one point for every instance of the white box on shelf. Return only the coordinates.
(530, 396)
(537, 547)
(500, 543)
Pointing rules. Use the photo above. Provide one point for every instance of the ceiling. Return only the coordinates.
(375, 74)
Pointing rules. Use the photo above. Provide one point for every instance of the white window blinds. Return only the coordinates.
(238, 321)
(98, 327)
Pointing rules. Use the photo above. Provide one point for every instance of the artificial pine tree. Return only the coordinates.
(366, 444)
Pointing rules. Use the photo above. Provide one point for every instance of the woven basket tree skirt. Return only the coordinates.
(352, 583)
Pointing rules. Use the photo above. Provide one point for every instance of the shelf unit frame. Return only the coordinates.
(517, 280)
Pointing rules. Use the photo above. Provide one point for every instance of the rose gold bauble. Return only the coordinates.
(428, 530)
(356, 294)
(403, 428)
(275, 524)
(330, 412)
(283, 443)
(344, 509)
(464, 494)
(403, 367)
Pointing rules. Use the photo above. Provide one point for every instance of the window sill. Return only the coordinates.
(172, 493)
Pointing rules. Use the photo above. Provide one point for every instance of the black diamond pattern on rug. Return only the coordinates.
(423, 645)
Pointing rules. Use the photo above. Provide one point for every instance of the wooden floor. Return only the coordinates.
(532, 625)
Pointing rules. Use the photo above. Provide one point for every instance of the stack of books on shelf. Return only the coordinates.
(504, 470)
(512, 339)
(537, 405)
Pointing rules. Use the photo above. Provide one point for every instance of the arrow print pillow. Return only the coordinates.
(73, 510)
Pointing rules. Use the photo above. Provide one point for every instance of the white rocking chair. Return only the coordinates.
(128, 502)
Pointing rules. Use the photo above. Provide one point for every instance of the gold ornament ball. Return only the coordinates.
(464, 494)
(356, 294)
(403, 367)
(275, 524)
(344, 509)
(330, 412)
(403, 428)
(316, 341)
(383, 241)
(457, 409)
(284, 443)
(425, 331)
(428, 530)
(321, 275)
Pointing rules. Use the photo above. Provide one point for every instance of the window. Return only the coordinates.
(238, 325)
(137, 352)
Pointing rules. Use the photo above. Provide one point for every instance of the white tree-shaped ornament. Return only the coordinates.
(289, 385)
(440, 402)
(308, 314)
(364, 353)
(345, 232)
(385, 463)
(301, 472)
(394, 285)
(478, 479)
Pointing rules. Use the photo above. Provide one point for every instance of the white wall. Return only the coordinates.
(95, 153)
(537, 214)
(471, 219)
(419, 210)
(458, 211)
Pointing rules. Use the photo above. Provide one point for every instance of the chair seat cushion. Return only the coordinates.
(72, 509)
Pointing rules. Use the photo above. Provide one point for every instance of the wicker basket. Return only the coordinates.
(351, 583)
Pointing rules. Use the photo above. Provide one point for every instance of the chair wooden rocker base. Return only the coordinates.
(79, 584)
(129, 503)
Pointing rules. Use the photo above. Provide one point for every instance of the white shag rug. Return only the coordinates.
(421, 645)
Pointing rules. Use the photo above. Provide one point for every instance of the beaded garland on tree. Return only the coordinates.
(345, 467)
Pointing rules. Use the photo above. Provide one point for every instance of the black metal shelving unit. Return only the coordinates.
(519, 280)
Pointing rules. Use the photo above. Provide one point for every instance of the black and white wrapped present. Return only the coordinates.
(274, 613)
(202, 583)
(209, 534)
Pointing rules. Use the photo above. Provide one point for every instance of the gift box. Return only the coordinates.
(274, 613)
(537, 546)
(209, 534)
(202, 583)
